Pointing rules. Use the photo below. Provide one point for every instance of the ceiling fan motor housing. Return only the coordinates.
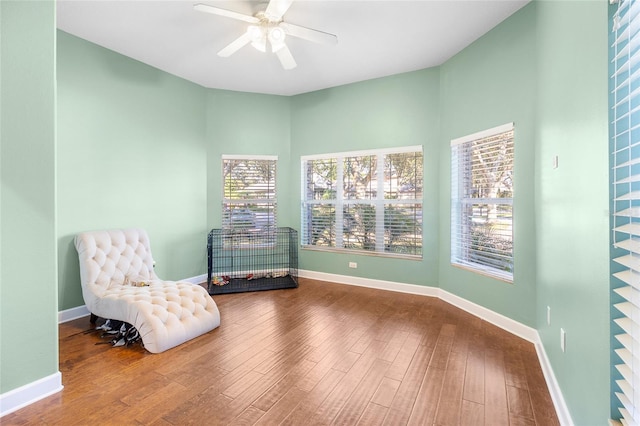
(266, 29)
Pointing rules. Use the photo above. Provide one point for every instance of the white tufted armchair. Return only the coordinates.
(118, 282)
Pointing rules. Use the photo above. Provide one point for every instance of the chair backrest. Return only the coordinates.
(113, 257)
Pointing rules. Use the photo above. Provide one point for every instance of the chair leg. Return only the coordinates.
(93, 318)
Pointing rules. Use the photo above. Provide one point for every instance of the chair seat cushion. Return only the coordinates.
(166, 313)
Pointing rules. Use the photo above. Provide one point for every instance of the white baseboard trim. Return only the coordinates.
(514, 327)
(28, 394)
(371, 283)
(73, 313)
(554, 388)
(198, 279)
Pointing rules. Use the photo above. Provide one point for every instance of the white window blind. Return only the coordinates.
(249, 194)
(369, 201)
(482, 202)
(625, 148)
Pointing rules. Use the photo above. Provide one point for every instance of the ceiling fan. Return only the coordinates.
(268, 26)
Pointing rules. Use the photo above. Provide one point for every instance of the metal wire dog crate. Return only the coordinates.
(252, 260)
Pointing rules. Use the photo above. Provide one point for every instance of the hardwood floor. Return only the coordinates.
(317, 355)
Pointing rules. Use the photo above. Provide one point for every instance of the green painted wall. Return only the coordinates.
(247, 124)
(493, 82)
(131, 153)
(572, 201)
(28, 287)
(400, 110)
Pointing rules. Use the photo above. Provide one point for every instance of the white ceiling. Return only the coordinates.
(375, 38)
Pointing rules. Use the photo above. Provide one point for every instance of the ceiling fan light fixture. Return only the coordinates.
(277, 41)
(260, 45)
(276, 35)
(276, 38)
(258, 37)
(255, 32)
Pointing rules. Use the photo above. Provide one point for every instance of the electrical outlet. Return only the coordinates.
(548, 315)
(563, 339)
(353, 265)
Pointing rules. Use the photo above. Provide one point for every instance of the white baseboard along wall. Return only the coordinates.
(28, 394)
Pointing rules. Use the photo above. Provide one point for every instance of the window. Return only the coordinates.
(249, 194)
(625, 174)
(369, 201)
(482, 202)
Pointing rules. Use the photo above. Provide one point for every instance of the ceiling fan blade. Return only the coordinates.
(286, 59)
(224, 12)
(277, 8)
(235, 45)
(309, 34)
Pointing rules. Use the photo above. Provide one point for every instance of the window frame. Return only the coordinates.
(464, 205)
(341, 200)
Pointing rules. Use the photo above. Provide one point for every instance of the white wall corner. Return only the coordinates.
(28, 394)
(73, 313)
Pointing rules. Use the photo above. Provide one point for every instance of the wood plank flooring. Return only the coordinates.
(317, 355)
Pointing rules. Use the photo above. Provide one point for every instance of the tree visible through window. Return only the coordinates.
(249, 199)
(482, 202)
(368, 201)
